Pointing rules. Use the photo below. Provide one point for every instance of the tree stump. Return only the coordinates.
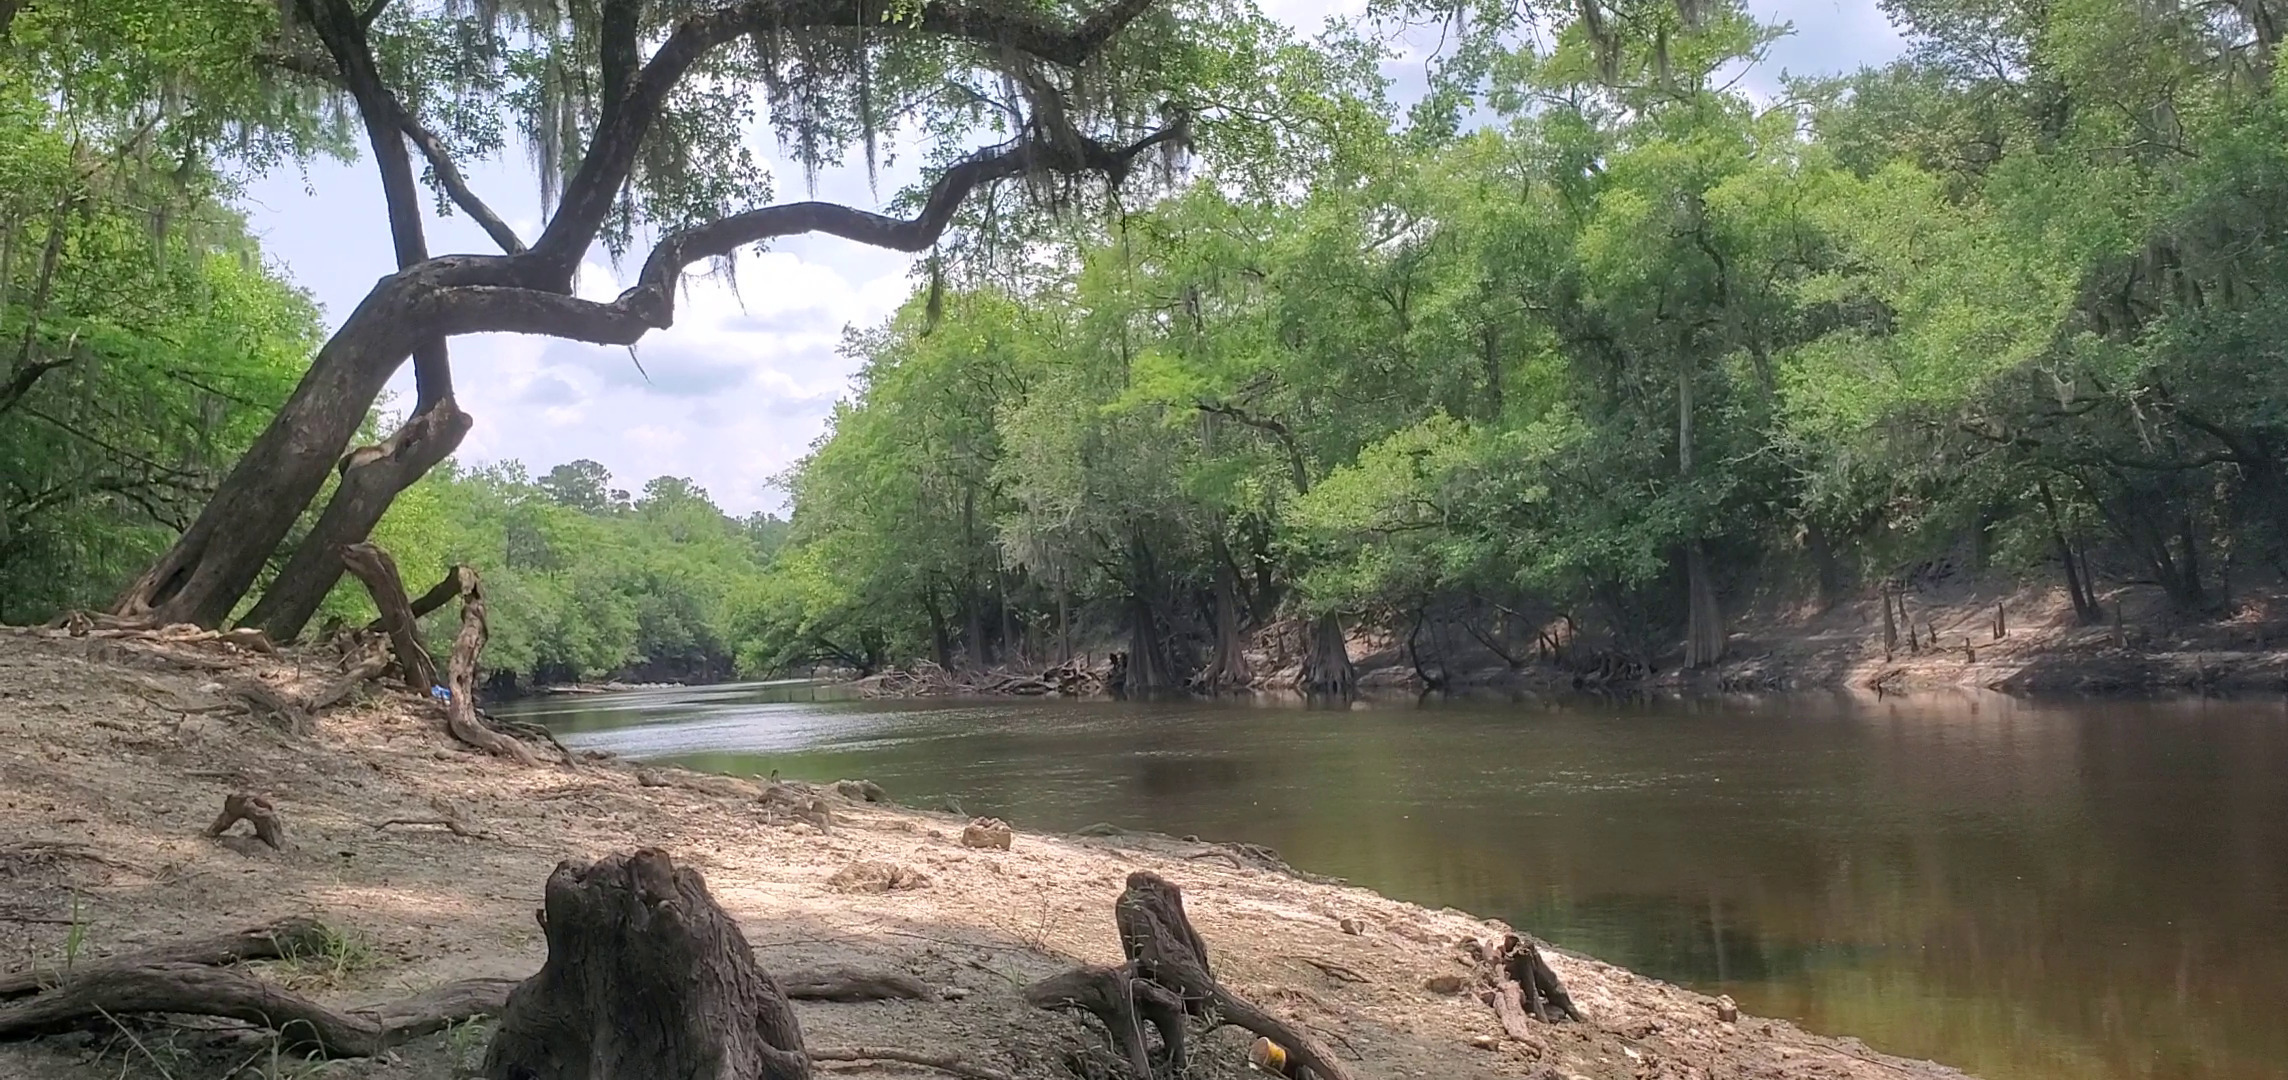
(646, 977)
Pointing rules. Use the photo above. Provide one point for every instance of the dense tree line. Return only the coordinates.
(584, 580)
(1638, 348)
(1587, 334)
(143, 341)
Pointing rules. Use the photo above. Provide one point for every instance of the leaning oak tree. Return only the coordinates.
(637, 112)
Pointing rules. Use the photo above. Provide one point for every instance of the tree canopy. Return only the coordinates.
(1589, 334)
(1640, 341)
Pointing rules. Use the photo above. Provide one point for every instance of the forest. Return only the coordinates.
(1224, 337)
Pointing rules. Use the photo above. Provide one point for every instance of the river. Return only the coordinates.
(2027, 890)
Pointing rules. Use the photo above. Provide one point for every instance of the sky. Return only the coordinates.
(742, 384)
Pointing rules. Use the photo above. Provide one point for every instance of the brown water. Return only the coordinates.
(2025, 890)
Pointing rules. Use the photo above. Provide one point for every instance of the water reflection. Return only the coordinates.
(2026, 890)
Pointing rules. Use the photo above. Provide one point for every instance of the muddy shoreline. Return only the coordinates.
(113, 760)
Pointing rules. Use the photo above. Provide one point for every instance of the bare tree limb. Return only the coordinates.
(650, 303)
(947, 1063)
(456, 186)
(627, 117)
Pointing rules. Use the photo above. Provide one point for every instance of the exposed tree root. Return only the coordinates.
(271, 941)
(461, 705)
(293, 711)
(1519, 982)
(378, 571)
(1125, 1004)
(200, 990)
(256, 811)
(451, 817)
(360, 664)
(102, 625)
(1168, 966)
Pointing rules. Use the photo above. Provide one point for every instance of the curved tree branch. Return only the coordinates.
(650, 303)
(627, 115)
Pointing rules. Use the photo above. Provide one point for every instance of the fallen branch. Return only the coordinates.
(201, 990)
(1329, 968)
(270, 941)
(850, 985)
(450, 816)
(949, 1063)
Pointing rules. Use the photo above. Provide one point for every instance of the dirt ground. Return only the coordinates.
(115, 755)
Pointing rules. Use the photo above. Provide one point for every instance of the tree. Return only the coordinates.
(582, 485)
(142, 339)
(626, 139)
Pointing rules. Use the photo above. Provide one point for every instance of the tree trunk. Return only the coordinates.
(1148, 667)
(973, 630)
(213, 563)
(646, 977)
(1824, 563)
(1012, 650)
(1327, 663)
(372, 477)
(1704, 623)
(1228, 669)
(1064, 625)
(941, 647)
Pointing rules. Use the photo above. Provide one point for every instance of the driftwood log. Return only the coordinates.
(1166, 978)
(646, 977)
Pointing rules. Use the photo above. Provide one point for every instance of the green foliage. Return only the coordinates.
(2004, 298)
(581, 582)
(143, 343)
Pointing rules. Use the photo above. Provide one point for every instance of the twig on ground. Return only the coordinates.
(950, 1063)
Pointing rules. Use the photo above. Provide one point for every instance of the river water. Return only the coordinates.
(2027, 890)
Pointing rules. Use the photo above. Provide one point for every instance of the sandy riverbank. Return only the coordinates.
(113, 760)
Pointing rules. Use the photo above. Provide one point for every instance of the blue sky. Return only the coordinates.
(741, 385)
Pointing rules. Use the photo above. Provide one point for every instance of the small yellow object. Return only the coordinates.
(1267, 1056)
